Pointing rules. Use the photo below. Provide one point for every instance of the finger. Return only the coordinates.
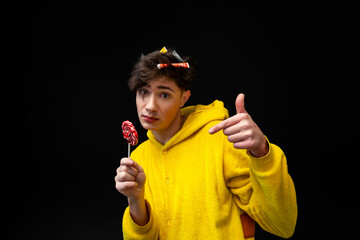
(236, 128)
(240, 103)
(138, 167)
(131, 170)
(129, 185)
(225, 124)
(246, 144)
(126, 161)
(130, 162)
(128, 169)
(123, 187)
(124, 177)
(239, 137)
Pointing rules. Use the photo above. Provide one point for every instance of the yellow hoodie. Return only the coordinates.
(198, 186)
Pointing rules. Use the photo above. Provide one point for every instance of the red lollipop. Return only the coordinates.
(130, 134)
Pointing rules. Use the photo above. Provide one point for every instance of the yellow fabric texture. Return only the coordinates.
(198, 185)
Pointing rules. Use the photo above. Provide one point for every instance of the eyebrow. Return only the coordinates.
(165, 87)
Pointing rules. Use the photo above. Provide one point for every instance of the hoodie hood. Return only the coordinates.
(196, 117)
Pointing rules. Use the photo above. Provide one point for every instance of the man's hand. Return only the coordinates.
(241, 130)
(130, 179)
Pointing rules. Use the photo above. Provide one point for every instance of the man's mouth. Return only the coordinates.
(149, 119)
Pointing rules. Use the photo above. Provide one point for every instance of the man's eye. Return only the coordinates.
(165, 95)
(143, 92)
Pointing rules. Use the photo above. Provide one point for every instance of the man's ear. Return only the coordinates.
(184, 97)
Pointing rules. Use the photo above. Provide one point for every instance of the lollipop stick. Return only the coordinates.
(128, 150)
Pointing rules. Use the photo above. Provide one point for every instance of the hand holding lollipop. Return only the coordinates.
(130, 134)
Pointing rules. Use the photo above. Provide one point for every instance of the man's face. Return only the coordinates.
(158, 104)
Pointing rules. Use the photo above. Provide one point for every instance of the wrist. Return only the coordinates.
(138, 210)
(261, 151)
(135, 200)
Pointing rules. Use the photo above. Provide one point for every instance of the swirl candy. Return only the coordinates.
(130, 133)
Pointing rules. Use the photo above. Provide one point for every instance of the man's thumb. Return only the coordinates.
(240, 103)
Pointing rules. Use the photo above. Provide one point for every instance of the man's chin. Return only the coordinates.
(148, 126)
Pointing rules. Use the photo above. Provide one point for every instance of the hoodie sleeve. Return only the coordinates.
(133, 231)
(263, 188)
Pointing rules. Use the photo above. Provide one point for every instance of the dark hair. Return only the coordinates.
(146, 70)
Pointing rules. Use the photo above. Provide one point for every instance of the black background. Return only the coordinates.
(69, 96)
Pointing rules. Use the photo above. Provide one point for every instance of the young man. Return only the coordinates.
(190, 180)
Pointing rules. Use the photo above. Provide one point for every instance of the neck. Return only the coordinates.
(163, 136)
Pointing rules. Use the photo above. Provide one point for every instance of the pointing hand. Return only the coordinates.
(242, 131)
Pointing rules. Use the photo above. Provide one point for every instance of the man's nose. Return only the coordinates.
(151, 105)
